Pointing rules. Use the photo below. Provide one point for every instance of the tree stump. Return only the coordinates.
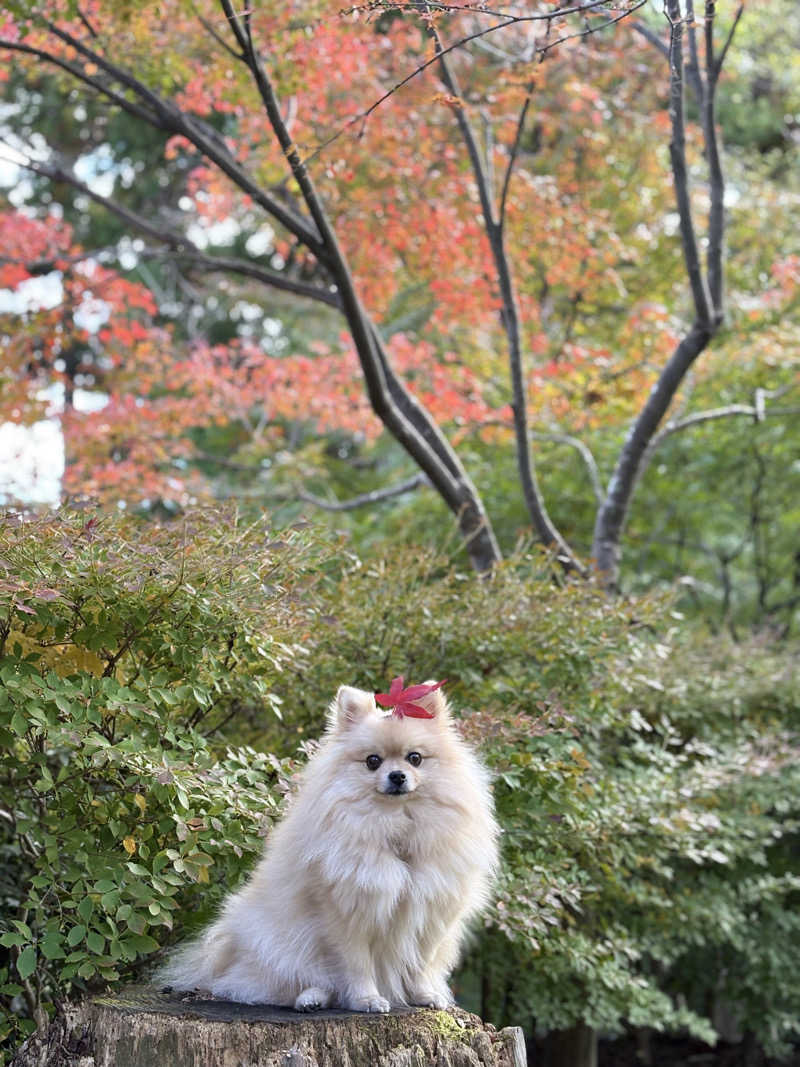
(141, 1027)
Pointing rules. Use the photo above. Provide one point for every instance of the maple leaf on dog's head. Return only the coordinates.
(401, 700)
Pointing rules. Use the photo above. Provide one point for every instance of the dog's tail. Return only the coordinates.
(196, 964)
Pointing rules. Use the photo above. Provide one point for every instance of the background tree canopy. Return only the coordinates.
(439, 289)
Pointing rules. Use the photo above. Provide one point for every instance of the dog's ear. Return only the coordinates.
(350, 706)
(435, 702)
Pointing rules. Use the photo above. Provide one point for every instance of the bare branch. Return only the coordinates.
(757, 412)
(468, 137)
(242, 267)
(160, 107)
(93, 83)
(456, 9)
(728, 39)
(693, 66)
(85, 20)
(47, 266)
(716, 216)
(376, 496)
(613, 512)
(217, 36)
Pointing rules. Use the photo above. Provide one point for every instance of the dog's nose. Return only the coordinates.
(397, 778)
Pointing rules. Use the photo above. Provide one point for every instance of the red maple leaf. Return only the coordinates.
(400, 699)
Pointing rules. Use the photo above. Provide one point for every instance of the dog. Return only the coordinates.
(366, 886)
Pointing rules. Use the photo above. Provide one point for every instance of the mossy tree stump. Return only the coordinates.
(144, 1028)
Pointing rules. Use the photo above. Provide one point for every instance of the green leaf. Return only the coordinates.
(9, 939)
(96, 942)
(19, 724)
(26, 964)
(137, 923)
(110, 901)
(143, 942)
(51, 947)
(76, 934)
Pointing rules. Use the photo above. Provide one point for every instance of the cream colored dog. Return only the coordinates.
(366, 886)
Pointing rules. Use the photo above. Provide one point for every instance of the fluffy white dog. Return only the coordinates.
(367, 884)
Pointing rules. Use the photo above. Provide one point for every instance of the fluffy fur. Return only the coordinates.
(363, 893)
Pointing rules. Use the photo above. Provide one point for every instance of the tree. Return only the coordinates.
(321, 207)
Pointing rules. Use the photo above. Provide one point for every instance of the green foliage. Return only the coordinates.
(123, 651)
(646, 777)
(736, 558)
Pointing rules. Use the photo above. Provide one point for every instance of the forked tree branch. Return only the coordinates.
(757, 412)
(707, 292)
(509, 314)
(404, 417)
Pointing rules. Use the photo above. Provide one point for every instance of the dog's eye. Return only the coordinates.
(373, 762)
(414, 759)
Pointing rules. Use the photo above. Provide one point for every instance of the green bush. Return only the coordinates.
(646, 776)
(124, 650)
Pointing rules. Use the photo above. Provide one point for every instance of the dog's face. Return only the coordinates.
(395, 768)
(393, 757)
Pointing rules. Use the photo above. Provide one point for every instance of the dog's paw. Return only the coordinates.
(375, 1003)
(313, 999)
(437, 1001)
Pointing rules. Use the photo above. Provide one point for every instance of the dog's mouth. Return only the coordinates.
(395, 790)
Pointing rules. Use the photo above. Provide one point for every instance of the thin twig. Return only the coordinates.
(585, 453)
(728, 39)
(512, 156)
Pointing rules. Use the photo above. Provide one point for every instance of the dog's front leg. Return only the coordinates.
(358, 987)
(429, 987)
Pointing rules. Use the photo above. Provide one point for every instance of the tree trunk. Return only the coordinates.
(575, 1047)
(144, 1028)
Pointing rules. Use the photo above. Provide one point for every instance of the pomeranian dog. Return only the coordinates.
(366, 886)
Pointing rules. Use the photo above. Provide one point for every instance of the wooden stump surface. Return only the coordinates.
(142, 1027)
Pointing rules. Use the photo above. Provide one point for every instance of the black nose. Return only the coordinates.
(397, 778)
